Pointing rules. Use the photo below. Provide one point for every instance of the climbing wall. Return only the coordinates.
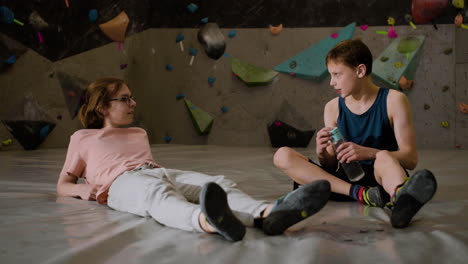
(461, 85)
(241, 113)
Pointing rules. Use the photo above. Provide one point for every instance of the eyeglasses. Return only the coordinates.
(127, 100)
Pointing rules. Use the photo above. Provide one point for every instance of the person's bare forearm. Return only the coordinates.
(68, 189)
(407, 159)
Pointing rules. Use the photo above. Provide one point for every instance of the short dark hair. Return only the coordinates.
(351, 52)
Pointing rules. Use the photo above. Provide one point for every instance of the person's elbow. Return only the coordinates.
(65, 186)
(60, 189)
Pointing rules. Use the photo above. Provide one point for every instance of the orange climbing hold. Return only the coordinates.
(276, 30)
(463, 108)
(115, 28)
(404, 83)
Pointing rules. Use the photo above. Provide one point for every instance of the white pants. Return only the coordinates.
(171, 196)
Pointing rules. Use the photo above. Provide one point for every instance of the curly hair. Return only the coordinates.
(351, 52)
(98, 94)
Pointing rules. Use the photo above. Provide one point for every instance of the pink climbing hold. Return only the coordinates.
(278, 124)
(392, 33)
(364, 27)
(40, 37)
(334, 35)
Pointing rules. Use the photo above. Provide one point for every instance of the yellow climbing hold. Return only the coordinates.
(458, 3)
(303, 214)
(7, 142)
(398, 64)
(220, 219)
(445, 124)
(391, 21)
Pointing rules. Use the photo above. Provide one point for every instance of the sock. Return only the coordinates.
(355, 191)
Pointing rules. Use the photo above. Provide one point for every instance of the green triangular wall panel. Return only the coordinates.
(252, 75)
(202, 120)
(310, 63)
(401, 57)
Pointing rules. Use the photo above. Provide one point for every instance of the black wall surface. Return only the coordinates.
(70, 32)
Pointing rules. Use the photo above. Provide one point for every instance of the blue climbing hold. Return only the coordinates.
(211, 80)
(232, 33)
(179, 37)
(192, 8)
(93, 15)
(6, 15)
(204, 20)
(169, 67)
(10, 60)
(192, 51)
(168, 139)
(44, 132)
(180, 96)
(224, 109)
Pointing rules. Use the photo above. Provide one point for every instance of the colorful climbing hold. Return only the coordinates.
(167, 139)
(392, 33)
(211, 80)
(192, 52)
(7, 142)
(93, 15)
(192, 8)
(232, 33)
(445, 124)
(463, 108)
(180, 96)
(179, 39)
(276, 30)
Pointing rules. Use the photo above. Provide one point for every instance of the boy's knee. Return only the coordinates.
(383, 157)
(282, 157)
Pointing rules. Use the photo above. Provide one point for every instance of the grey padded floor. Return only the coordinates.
(38, 227)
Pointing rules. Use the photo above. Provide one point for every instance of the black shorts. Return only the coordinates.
(367, 180)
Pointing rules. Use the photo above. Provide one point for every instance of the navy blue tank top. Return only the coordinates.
(371, 129)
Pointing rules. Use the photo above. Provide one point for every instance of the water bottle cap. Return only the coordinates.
(336, 134)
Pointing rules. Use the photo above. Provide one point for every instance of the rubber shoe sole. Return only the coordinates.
(214, 204)
(417, 191)
(297, 206)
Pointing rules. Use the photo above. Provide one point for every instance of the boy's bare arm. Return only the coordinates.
(327, 156)
(401, 117)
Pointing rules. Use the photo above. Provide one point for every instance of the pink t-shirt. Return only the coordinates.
(101, 155)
